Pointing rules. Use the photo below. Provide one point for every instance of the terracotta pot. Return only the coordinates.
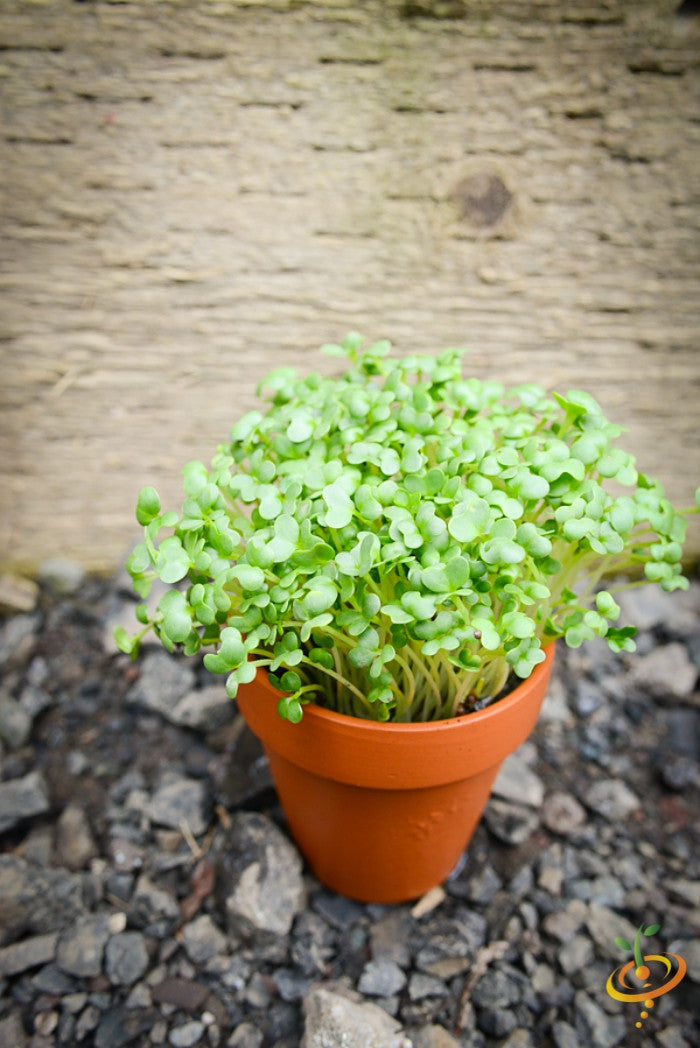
(382, 812)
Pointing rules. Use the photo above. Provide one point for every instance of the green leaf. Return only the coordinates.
(339, 505)
(301, 428)
(147, 506)
(622, 943)
(123, 641)
(252, 579)
(651, 929)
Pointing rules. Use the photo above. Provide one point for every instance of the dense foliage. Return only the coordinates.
(392, 543)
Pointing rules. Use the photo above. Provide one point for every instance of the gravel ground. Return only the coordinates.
(149, 894)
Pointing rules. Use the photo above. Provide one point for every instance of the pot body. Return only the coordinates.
(382, 812)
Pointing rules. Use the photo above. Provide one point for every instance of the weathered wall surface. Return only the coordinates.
(194, 192)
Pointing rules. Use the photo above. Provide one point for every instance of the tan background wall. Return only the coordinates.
(194, 192)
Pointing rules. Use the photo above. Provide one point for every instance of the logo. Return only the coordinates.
(647, 976)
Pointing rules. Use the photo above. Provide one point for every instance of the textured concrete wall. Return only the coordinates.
(194, 192)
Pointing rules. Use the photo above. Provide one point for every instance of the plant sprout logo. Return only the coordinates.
(647, 976)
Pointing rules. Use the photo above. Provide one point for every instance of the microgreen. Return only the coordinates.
(394, 542)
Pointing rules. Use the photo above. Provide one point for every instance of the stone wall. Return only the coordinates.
(193, 192)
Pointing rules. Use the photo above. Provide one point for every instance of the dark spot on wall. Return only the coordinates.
(483, 199)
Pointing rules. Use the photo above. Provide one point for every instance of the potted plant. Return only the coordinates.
(381, 563)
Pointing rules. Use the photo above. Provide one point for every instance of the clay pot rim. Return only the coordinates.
(397, 756)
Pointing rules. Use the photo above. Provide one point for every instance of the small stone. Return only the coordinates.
(421, 986)
(381, 979)
(23, 798)
(390, 937)
(17, 594)
(509, 822)
(518, 783)
(202, 939)
(81, 946)
(60, 576)
(612, 799)
(330, 1018)
(75, 846)
(182, 801)
(495, 1021)
(576, 954)
(15, 723)
(565, 1036)
(183, 993)
(497, 989)
(602, 1029)
(260, 877)
(126, 958)
(672, 1037)
(605, 925)
(562, 813)
(12, 1033)
(29, 953)
(87, 1021)
(204, 709)
(120, 1026)
(689, 950)
(518, 1039)
(187, 1035)
(667, 672)
(163, 682)
(36, 901)
(17, 639)
(433, 1036)
(563, 924)
(246, 1035)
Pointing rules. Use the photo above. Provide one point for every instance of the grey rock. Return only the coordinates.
(87, 1021)
(260, 877)
(689, 950)
(575, 954)
(120, 1026)
(496, 1021)
(33, 700)
(60, 576)
(187, 1035)
(17, 594)
(390, 937)
(518, 1039)
(126, 958)
(667, 672)
(23, 798)
(204, 709)
(563, 924)
(12, 1033)
(81, 946)
(517, 782)
(611, 798)
(181, 801)
(565, 1035)
(75, 845)
(421, 986)
(381, 978)
(153, 907)
(672, 1037)
(605, 925)
(246, 1035)
(162, 683)
(603, 1030)
(332, 1019)
(202, 939)
(290, 985)
(509, 822)
(15, 723)
(36, 901)
(433, 1036)
(562, 813)
(29, 953)
(495, 990)
(17, 638)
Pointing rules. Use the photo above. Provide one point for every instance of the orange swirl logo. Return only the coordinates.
(647, 976)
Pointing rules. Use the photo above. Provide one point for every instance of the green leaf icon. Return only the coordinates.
(652, 929)
(623, 944)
